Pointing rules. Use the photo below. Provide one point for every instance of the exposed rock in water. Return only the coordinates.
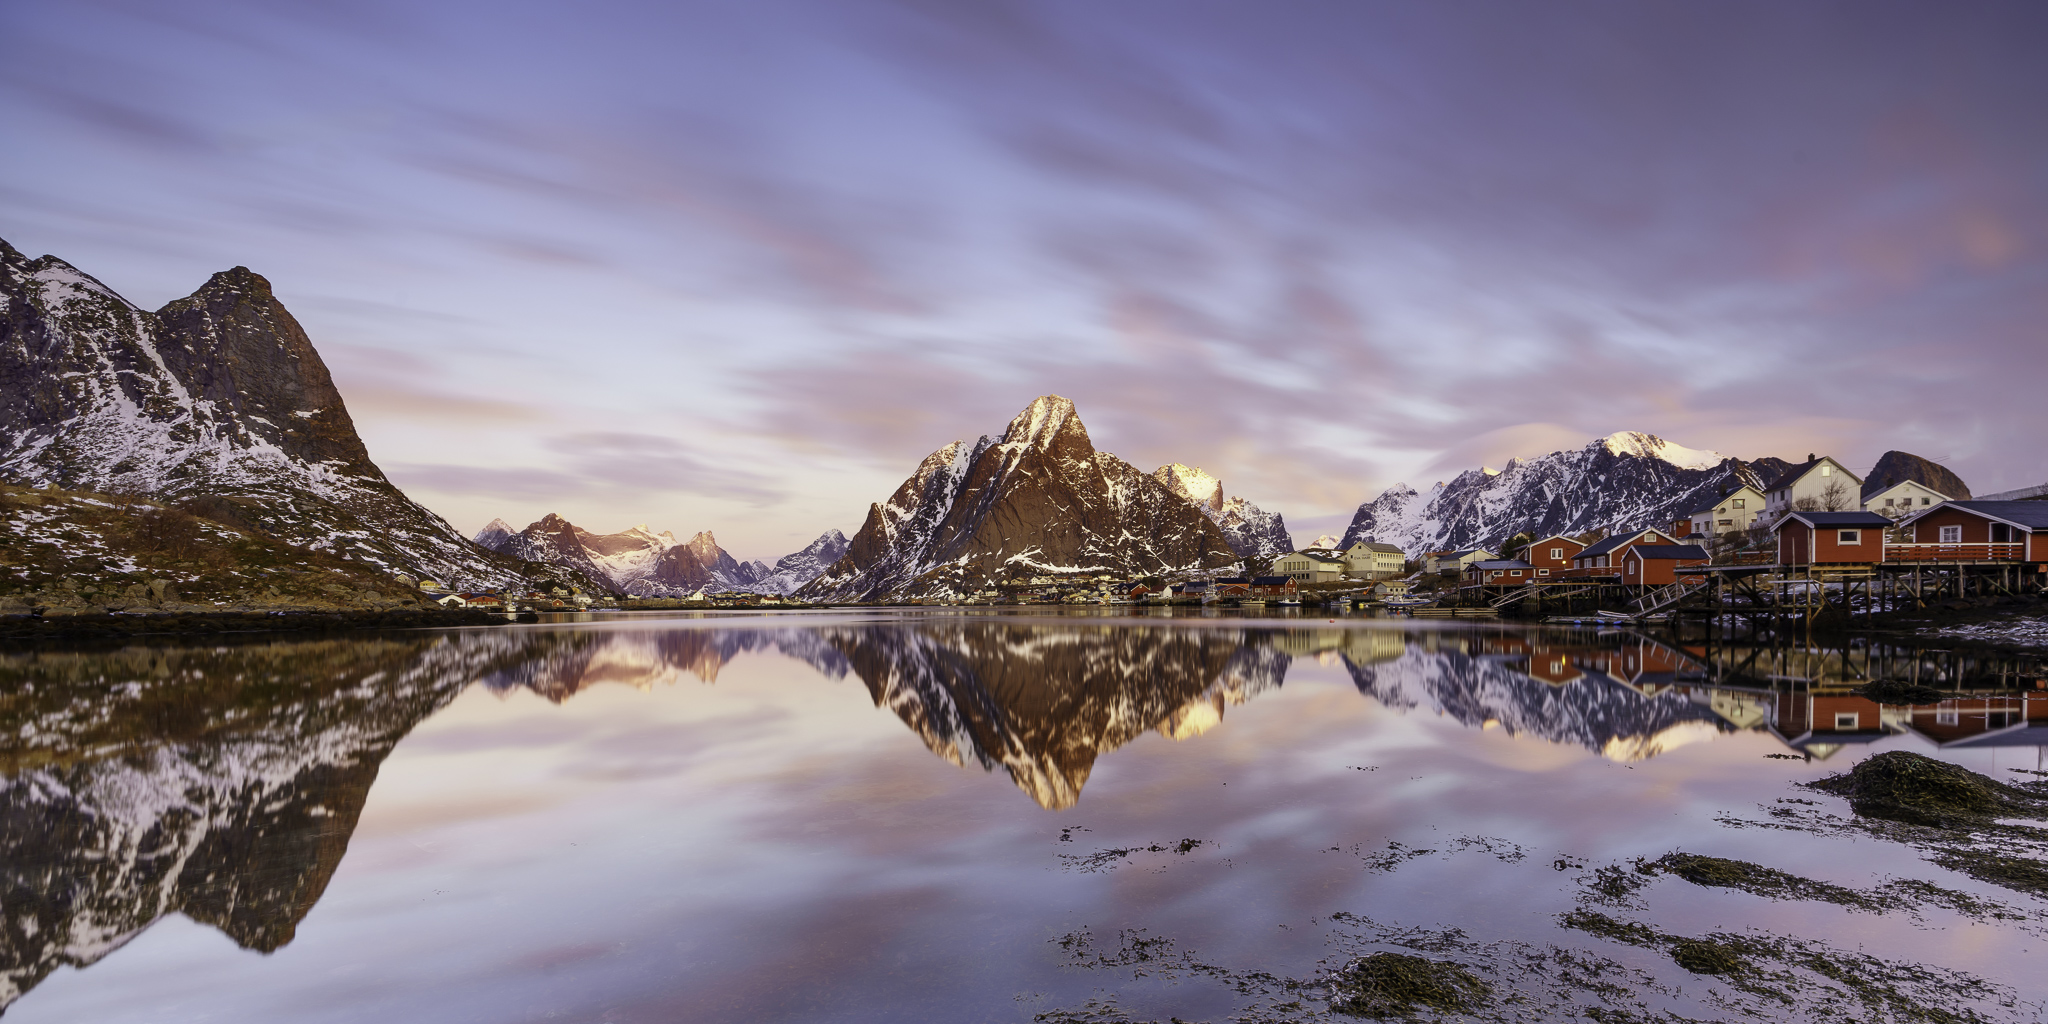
(1903, 786)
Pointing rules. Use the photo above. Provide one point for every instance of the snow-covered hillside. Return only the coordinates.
(1622, 481)
(220, 396)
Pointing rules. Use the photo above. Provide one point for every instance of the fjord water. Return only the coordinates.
(954, 817)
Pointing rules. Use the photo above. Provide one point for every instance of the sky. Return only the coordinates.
(739, 266)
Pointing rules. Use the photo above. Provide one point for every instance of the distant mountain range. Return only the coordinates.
(1622, 481)
(1037, 499)
(642, 563)
(217, 401)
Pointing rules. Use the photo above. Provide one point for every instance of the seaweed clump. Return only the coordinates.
(1902, 786)
(1723, 873)
(1702, 956)
(1387, 985)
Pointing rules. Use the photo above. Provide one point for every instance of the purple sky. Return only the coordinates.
(738, 266)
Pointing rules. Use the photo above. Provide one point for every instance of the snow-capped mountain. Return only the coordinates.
(1043, 702)
(643, 563)
(219, 395)
(1038, 499)
(1251, 531)
(1623, 481)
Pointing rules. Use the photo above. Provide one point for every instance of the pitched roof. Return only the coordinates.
(1609, 544)
(1372, 545)
(2031, 514)
(1786, 478)
(1669, 551)
(1501, 563)
(1271, 581)
(1827, 519)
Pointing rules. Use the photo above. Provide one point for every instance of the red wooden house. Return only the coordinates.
(1977, 531)
(1551, 555)
(1603, 558)
(1830, 538)
(1657, 565)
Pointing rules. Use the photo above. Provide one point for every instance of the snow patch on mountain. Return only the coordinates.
(639, 562)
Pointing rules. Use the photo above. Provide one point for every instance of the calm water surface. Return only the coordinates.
(961, 818)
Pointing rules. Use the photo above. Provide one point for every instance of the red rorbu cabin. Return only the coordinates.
(1831, 538)
(1551, 555)
(1977, 531)
(1656, 565)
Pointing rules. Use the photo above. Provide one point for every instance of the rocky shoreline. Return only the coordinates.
(116, 625)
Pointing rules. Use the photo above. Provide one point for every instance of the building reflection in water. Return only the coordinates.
(224, 781)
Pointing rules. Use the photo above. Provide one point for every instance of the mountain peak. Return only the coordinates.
(1047, 419)
(1635, 442)
(1192, 483)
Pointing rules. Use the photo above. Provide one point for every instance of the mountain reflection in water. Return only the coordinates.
(224, 782)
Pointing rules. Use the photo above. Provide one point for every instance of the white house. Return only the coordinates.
(1735, 511)
(1903, 499)
(1456, 561)
(1373, 561)
(1311, 565)
(1820, 484)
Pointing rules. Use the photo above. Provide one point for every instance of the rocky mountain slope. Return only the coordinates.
(72, 553)
(217, 397)
(1621, 481)
(1251, 531)
(643, 563)
(1894, 468)
(1039, 499)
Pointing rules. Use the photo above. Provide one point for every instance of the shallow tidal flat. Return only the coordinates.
(892, 816)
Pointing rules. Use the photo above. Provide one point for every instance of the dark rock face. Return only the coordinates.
(1621, 482)
(1894, 468)
(1251, 531)
(1039, 499)
(218, 396)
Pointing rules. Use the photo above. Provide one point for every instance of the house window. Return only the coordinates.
(1632, 568)
(1827, 471)
(1557, 554)
(1923, 501)
(1848, 720)
(1951, 535)
(1727, 522)
(1888, 502)
(1949, 717)
(1517, 572)
(1741, 503)
(1542, 572)
(1849, 536)
(2003, 534)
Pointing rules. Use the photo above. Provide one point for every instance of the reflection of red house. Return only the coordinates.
(2018, 719)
